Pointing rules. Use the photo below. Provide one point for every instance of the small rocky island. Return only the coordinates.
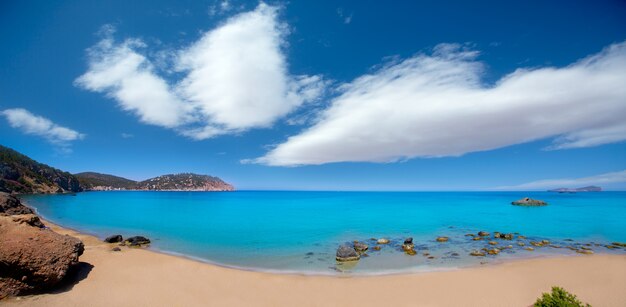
(529, 202)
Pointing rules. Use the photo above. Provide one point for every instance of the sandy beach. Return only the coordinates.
(139, 277)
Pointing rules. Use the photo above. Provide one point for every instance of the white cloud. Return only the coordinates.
(598, 180)
(236, 79)
(436, 105)
(30, 123)
(129, 78)
(125, 135)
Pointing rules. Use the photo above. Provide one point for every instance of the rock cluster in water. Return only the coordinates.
(495, 244)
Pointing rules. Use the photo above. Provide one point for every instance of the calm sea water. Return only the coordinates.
(300, 231)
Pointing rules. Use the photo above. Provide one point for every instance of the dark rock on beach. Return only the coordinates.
(527, 201)
(137, 241)
(347, 253)
(114, 239)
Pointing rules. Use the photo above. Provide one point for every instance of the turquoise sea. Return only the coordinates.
(299, 232)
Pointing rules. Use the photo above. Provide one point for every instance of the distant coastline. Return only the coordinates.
(23, 175)
(574, 190)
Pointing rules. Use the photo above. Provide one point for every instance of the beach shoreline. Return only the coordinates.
(135, 276)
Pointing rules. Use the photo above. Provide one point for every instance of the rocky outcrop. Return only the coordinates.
(347, 253)
(28, 219)
(11, 205)
(527, 201)
(33, 259)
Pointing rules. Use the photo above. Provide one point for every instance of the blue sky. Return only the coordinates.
(321, 95)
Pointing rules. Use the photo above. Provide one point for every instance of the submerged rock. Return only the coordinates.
(477, 238)
(382, 241)
(527, 201)
(442, 239)
(410, 252)
(476, 253)
(360, 247)
(493, 243)
(493, 251)
(408, 244)
(347, 253)
(529, 249)
(113, 239)
(584, 251)
(483, 233)
(376, 248)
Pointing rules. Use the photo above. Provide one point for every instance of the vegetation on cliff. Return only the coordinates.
(21, 174)
(185, 182)
(97, 181)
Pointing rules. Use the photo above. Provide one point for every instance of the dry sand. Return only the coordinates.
(136, 277)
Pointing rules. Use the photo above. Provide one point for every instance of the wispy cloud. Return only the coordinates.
(236, 78)
(598, 180)
(127, 135)
(32, 124)
(345, 17)
(434, 105)
(220, 7)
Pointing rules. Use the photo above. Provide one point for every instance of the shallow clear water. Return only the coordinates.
(300, 231)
